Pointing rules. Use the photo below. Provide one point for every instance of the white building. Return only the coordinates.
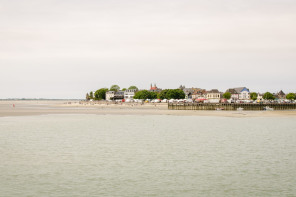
(213, 96)
(259, 97)
(244, 93)
(110, 95)
(129, 94)
(240, 93)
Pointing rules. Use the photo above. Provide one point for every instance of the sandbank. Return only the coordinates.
(43, 107)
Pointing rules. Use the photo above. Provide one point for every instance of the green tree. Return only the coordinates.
(100, 94)
(114, 88)
(162, 94)
(175, 94)
(143, 94)
(268, 96)
(291, 96)
(181, 94)
(153, 95)
(133, 87)
(227, 95)
(87, 96)
(91, 95)
(253, 96)
(123, 89)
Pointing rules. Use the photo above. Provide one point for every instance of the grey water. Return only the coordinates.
(157, 155)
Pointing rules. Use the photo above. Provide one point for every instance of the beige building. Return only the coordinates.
(213, 96)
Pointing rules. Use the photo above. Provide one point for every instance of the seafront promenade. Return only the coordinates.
(231, 106)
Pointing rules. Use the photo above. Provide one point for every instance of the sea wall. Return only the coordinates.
(230, 106)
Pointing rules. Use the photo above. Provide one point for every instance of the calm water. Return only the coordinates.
(108, 155)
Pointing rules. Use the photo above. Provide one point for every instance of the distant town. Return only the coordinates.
(182, 94)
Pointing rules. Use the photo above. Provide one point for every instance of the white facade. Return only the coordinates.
(259, 97)
(129, 94)
(244, 95)
(241, 93)
(110, 95)
(234, 96)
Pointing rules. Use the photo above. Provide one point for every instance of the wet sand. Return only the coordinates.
(43, 107)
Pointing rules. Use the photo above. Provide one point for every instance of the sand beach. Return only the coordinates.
(43, 107)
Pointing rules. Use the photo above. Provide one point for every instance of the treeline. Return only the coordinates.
(164, 94)
(100, 94)
(291, 96)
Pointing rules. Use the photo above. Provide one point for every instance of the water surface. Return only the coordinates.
(109, 155)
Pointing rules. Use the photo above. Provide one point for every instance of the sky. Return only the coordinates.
(64, 49)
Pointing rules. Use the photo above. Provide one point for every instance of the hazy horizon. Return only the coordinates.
(64, 49)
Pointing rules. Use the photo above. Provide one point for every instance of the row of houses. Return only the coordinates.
(197, 94)
(214, 95)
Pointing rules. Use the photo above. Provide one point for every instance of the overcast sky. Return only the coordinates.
(63, 49)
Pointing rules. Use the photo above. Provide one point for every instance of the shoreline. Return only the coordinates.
(41, 107)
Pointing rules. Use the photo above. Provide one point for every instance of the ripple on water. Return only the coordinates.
(109, 155)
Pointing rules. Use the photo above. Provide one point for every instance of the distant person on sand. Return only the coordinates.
(13, 105)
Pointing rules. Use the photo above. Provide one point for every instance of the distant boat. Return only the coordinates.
(219, 109)
(267, 108)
